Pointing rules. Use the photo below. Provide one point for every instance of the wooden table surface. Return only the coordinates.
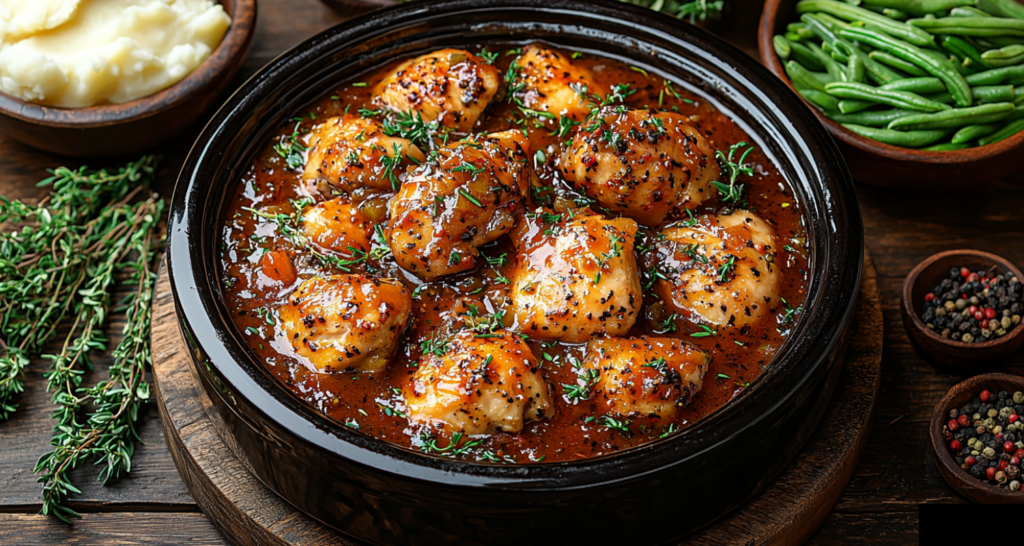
(152, 506)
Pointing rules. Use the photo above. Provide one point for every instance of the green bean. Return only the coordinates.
(995, 42)
(968, 11)
(782, 48)
(855, 69)
(1018, 94)
(851, 106)
(1002, 8)
(805, 56)
(803, 78)
(1009, 74)
(820, 98)
(905, 139)
(1018, 113)
(896, 14)
(920, 7)
(873, 118)
(970, 26)
(897, 63)
(876, 71)
(974, 132)
(1007, 131)
(802, 31)
(952, 119)
(841, 57)
(1006, 56)
(943, 97)
(898, 99)
(897, 29)
(944, 147)
(962, 48)
(793, 37)
(916, 85)
(932, 64)
(993, 93)
(836, 72)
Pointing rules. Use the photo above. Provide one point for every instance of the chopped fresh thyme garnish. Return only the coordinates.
(705, 331)
(731, 192)
(291, 149)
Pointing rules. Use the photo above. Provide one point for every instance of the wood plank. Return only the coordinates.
(120, 529)
(894, 528)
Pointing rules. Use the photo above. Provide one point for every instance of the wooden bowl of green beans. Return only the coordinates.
(920, 94)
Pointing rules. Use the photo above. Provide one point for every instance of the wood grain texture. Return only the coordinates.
(879, 506)
(140, 529)
(787, 513)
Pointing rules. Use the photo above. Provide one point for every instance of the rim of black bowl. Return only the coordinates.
(791, 135)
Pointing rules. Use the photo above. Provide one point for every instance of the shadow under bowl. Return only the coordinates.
(877, 164)
(976, 490)
(933, 347)
(117, 129)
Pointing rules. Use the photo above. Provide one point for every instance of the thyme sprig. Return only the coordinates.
(732, 193)
(695, 10)
(60, 263)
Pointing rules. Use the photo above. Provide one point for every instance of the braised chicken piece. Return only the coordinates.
(547, 81)
(450, 86)
(346, 322)
(576, 277)
(337, 226)
(645, 376)
(465, 197)
(721, 270)
(641, 164)
(350, 152)
(478, 384)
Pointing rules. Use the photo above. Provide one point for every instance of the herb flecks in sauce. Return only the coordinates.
(374, 403)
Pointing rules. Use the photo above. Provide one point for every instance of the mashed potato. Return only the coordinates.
(77, 53)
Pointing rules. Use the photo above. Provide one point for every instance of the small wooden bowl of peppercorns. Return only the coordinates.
(977, 433)
(962, 309)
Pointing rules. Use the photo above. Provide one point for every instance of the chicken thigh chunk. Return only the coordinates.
(346, 322)
(479, 385)
(641, 164)
(576, 277)
(721, 270)
(466, 197)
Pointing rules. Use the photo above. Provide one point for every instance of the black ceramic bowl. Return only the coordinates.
(386, 494)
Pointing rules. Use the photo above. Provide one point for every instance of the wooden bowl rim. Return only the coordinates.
(766, 50)
(942, 455)
(912, 278)
(234, 44)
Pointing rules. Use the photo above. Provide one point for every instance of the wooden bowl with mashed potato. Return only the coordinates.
(88, 79)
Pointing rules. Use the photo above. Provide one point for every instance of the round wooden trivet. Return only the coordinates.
(788, 512)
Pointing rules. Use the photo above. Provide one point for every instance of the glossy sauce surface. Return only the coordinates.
(263, 263)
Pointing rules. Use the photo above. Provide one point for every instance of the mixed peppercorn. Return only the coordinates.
(972, 307)
(985, 437)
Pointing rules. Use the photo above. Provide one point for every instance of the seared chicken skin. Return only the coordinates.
(721, 270)
(450, 86)
(479, 385)
(350, 152)
(575, 277)
(346, 322)
(645, 376)
(641, 164)
(448, 207)
(547, 81)
(338, 227)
